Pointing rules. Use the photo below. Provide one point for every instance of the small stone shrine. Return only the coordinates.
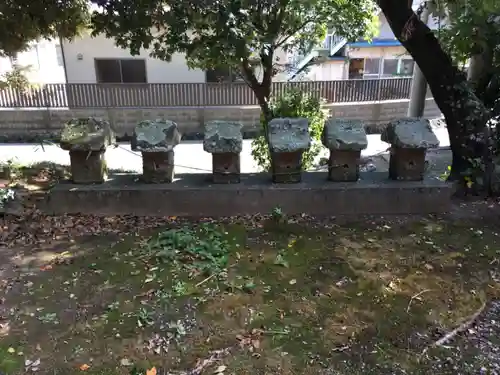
(288, 139)
(345, 139)
(224, 140)
(156, 141)
(409, 139)
(86, 139)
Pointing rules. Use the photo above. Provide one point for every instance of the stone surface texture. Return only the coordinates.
(226, 168)
(88, 167)
(343, 165)
(223, 137)
(344, 134)
(156, 136)
(289, 135)
(87, 134)
(407, 164)
(286, 167)
(158, 167)
(410, 133)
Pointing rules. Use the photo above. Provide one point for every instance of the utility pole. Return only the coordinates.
(416, 106)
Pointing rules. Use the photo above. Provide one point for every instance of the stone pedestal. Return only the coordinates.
(88, 167)
(86, 139)
(343, 165)
(223, 139)
(5, 172)
(409, 138)
(286, 167)
(156, 141)
(345, 139)
(226, 168)
(407, 164)
(288, 139)
(158, 167)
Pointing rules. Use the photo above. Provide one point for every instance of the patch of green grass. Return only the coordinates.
(282, 296)
(11, 359)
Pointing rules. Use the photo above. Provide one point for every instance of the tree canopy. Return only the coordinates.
(236, 34)
(469, 27)
(22, 21)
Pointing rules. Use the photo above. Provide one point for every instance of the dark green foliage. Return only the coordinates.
(203, 249)
(294, 103)
(23, 21)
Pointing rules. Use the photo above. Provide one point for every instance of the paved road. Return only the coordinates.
(189, 155)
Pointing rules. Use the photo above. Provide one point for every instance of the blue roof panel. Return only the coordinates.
(376, 43)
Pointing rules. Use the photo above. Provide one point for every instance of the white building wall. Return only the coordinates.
(45, 62)
(158, 71)
(376, 52)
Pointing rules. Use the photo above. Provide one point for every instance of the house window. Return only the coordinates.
(372, 68)
(406, 67)
(390, 68)
(220, 75)
(120, 70)
(59, 55)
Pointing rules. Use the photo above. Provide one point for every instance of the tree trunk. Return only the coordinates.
(263, 93)
(464, 113)
(262, 90)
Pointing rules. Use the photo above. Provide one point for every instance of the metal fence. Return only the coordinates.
(92, 95)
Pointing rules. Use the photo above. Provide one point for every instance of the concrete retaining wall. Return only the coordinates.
(32, 124)
(194, 195)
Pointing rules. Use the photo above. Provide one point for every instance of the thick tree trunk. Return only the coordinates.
(464, 113)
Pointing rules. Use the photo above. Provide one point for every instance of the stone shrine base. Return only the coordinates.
(193, 195)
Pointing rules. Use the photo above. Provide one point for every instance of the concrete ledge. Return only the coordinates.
(192, 195)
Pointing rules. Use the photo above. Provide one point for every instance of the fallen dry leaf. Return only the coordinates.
(151, 371)
(84, 367)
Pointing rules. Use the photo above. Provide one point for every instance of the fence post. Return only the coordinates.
(379, 89)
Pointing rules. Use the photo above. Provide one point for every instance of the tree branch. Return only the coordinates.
(292, 33)
(267, 66)
(248, 74)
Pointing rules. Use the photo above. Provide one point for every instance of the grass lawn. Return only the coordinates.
(271, 295)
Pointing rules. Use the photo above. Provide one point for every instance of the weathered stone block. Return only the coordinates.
(286, 167)
(156, 140)
(86, 139)
(224, 140)
(158, 167)
(344, 134)
(288, 139)
(226, 168)
(223, 137)
(407, 164)
(345, 139)
(87, 134)
(409, 138)
(410, 133)
(88, 167)
(343, 165)
(156, 136)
